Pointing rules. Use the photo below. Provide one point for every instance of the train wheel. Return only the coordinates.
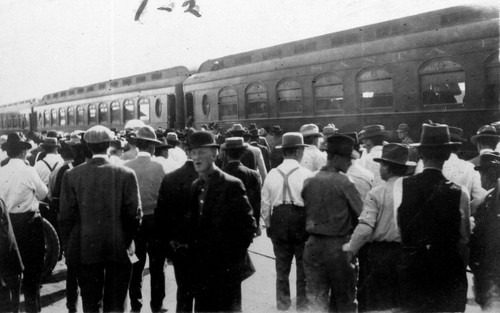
(52, 249)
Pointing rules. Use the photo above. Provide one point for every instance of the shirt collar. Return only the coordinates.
(16, 162)
(102, 156)
(143, 154)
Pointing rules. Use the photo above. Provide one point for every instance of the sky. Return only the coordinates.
(52, 45)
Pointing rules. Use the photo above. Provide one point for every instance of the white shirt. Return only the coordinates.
(169, 165)
(313, 158)
(360, 177)
(272, 191)
(42, 168)
(21, 187)
(367, 162)
(178, 155)
(462, 173)
(3, 155)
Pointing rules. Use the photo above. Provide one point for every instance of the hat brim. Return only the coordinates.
(408, 163)
(155, 141)
(474, 138)
(451, 143)
(313, 135)
(242, 147)
(23, 144)
(292, 146)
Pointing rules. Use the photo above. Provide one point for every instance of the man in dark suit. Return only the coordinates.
(234, 148)
(254, 140)
(100, 215)
(172, 220)
(223, 228)
(433, 219)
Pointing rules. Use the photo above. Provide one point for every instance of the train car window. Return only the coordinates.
(128, 110)
(80, 111)
(158, 107)
(71, 116)
(40, 119)
(289, 97)
(143, 109)
(492, 79)
(172, 115)
(15, 121)
(103, 113)
(189, 109)
(374, 88)
(54, 117)
(256, 100)
(442, 81)
(62, 116)
(92, 114)
(46, 118)
(115, 112)
(205, 105)
(228, 103)
(328, 93)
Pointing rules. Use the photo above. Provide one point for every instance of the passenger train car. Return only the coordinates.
(441, 66)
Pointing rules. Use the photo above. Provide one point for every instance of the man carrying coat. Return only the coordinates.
(223, 228)
(101, 214)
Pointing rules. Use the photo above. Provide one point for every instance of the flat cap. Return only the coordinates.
(98, 134)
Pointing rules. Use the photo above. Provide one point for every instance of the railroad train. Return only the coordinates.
(441, 66)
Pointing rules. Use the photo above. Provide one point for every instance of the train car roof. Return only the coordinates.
(16, 106)
(399, 27)
(151, 80)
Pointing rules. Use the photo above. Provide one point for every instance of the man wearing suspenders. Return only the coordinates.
(48, 164)
(284, 215)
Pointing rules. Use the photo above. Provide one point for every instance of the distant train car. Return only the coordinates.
(155, 98)
(18, 116)
(441, 66)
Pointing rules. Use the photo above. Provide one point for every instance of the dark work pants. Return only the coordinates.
(218, 297)
(10, 293)
(147, 241)
(28, 230)
(183, 272)
(104, 285)
(72, 288)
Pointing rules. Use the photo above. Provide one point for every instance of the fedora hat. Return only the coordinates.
(329, 130)
(340, 144)
(395, 153)
(234, 143)
(202, 139)
(172, 139)
(488, 159)
(147, 133)
(50, 142)
(434, 135)
(15, 141)
(485, 131)
(237, 130)
(254, 133)
(291, 140)
(403, 128)
(74, 139)
(372, 131)
(98, 134)
(310, 130)
(456, 134)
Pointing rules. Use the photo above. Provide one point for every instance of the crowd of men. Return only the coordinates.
(373, 223)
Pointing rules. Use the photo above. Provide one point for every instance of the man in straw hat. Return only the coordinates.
(149, 176)
(333, 205)
(284, 215)
(484, 245)
(52, 159)
(313, 158)
(100, 217)
(378, 230)
(223, 229)
(433, 219)
(21, 189)
(486, 140)
(176, 153)
(373, 138)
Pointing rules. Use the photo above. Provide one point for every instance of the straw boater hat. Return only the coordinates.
(147, 133)
(434, 135)
(202, 139)
(395, 153)
(487, 160)
(15, 141)
(485, 131)
(291, 140)
(372, 131)
(308, 130)
(234, 143)
(98, 134)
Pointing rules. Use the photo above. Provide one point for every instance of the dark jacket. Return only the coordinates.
(10, 259)
(223, 230)
(252, 182)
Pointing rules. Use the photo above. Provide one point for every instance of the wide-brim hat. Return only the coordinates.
(309, 130)
(237, 130)
(488, 159)
(395, 153)
(50, 142)
(15, 141)
(147, 133)
(234, 143)
(485, 131)
(372, 131)
(435, 135)
(291, 140)
(202, 139)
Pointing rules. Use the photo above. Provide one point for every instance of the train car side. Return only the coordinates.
(18, 116)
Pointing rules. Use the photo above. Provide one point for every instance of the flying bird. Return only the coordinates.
(140, 9)
(192, 8)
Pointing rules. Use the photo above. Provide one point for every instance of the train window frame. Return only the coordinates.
(40, 118)
(100, 119)
(205, 105)
(377, 78)
(80, 119)
(289, 84)
(46, 118)
(91, 120)
(426, 73)
(128, 102)
(114, 106)
(492, 72)
(141, 102)
(249, 93)
(62, 117)
(227, 96)
(171, 110)
(321, 81)
(70, 117)
(158, 107)
(53, 117)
